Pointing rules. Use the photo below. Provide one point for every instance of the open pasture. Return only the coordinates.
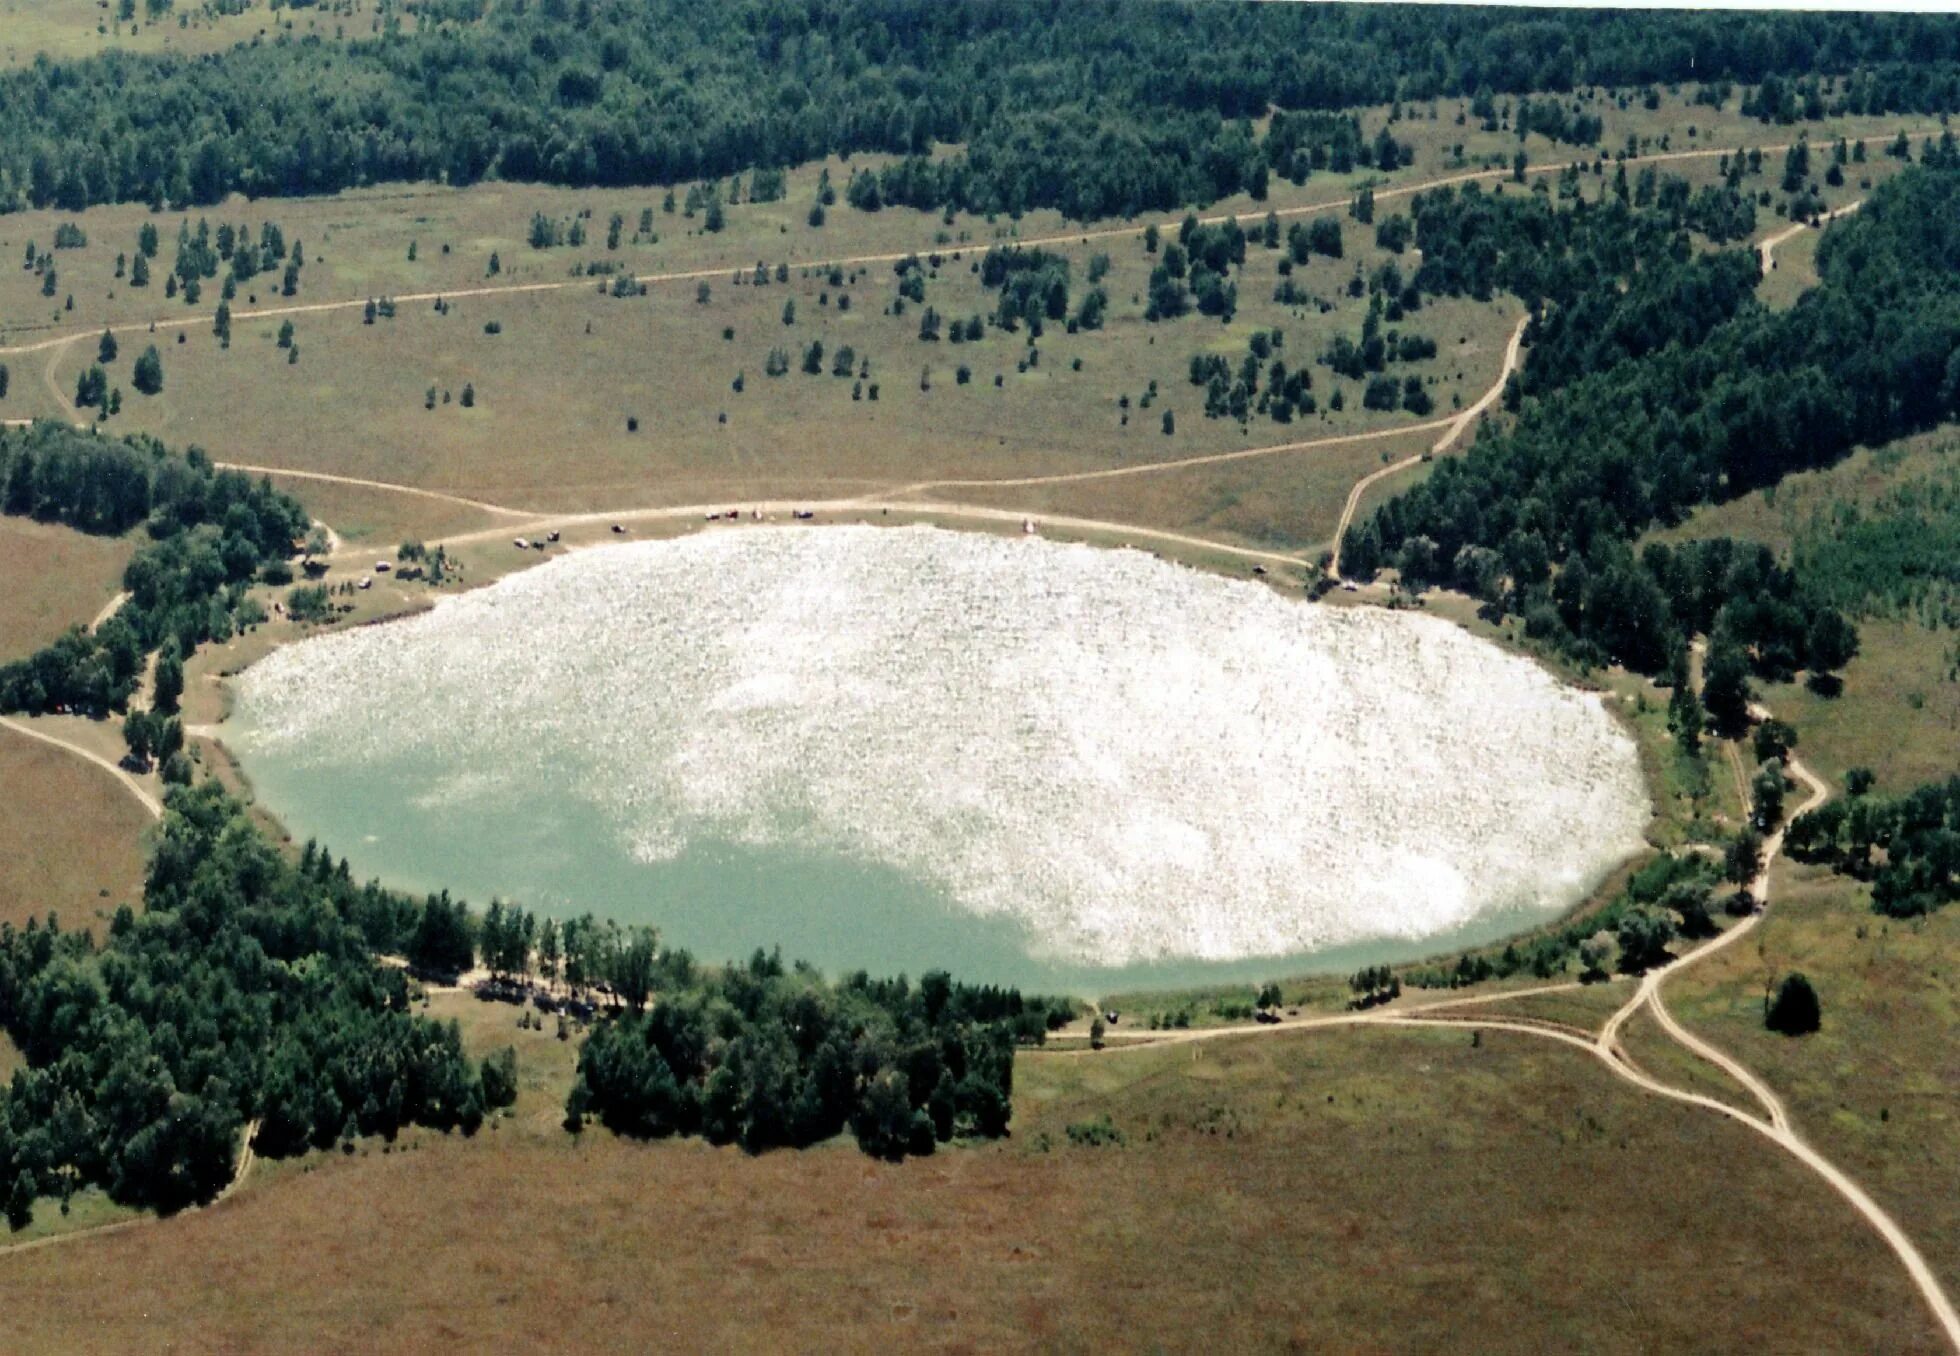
(1297, 1187)
(52, 578)
(67, 30)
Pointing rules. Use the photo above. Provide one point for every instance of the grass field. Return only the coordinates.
(1899, 714)
(1266, 1191)
(70, 841)
(70, 29)
(52, 578)
(555, 390)
(1874, 1088)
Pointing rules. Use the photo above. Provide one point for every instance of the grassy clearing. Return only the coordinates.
(1899, 713)
(1873, 1090)
(1303, 1186)
(69, 30)
(70, 840)
(1654, 1051)
(52, 578)
(381, 519)
(557, 390)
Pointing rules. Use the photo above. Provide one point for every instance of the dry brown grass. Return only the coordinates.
(1269, 1191)
(556, 388)
(73, 29)
(1873, 1090)
(1586, 1008)
(70, 838)
(52, 578)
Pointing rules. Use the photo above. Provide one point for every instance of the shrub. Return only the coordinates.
(1795, 1010)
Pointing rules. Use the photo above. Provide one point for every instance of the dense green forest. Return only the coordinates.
(241, 992)
(1095, 107)
(762, 1057)
(1684, 390)
(211, 533)
(1908, 847)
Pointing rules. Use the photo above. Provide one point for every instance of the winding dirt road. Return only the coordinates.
(183, 320)
(1774, 1125)
(1456, 429)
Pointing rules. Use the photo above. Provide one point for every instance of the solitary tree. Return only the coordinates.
(1795, 1010)
(105, 350)
(148, 373)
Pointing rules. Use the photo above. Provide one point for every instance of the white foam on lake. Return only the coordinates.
(1136, 761)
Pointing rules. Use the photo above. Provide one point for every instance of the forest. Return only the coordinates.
(238, 994)
(759, 1056)
(1665, 405)
(1095, 108)
(211, 533)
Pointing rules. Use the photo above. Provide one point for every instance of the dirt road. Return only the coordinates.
(1774, 1125)
(1766, 251)
(1456, 429)
(129, 783)
(182, 320)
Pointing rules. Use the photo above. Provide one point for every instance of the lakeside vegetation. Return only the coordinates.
(211, 533)
(238, 995)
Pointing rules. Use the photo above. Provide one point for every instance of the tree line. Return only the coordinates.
(1095, 108)
(754, 1053)
(762, 1056)
(240, 993)
(1661, 407)
(210, 533)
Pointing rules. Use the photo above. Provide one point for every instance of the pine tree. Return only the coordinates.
(148, 372)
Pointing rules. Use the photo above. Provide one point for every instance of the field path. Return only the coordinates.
(109, 609)
(779, 507)
(244, 1165)
(1767, 250)
(359, 483)
(181, 320)
(61, 400)
(130, 784)
(1774, 1125)
(1456, 429)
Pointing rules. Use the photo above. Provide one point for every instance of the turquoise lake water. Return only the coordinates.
(549, 851)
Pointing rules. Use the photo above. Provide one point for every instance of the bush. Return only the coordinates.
(499, 1075)
(1094, 1134)
(1795, 1010)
